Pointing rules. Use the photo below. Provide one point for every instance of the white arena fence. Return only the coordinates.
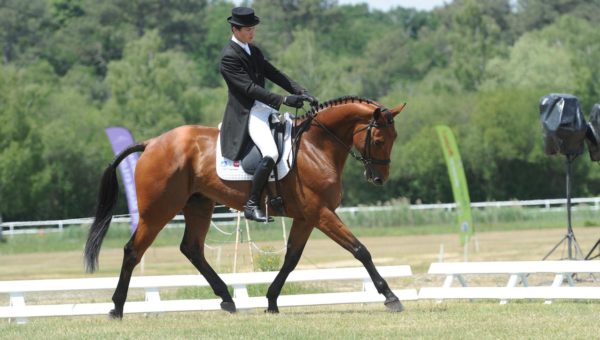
(19, 310)
(28, 227)
(520, 275)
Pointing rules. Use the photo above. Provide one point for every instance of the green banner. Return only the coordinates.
(458, 181)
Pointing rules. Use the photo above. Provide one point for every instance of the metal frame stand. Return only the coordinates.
(589, 255)
(570, 236)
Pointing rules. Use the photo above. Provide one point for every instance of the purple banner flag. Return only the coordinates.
(120, 138)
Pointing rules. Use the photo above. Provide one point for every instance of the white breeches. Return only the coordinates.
(258, 127)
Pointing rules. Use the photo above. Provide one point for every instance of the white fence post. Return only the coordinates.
(152, 294)
(17, 300)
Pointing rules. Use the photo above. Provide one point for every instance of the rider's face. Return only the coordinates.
(244, 34)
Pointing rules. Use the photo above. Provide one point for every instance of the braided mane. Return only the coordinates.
(341, 100)
(306, 119)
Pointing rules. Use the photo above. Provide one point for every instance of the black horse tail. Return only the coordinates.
(107, 198)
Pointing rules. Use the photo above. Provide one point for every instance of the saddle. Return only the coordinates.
(232, 170)
(252, 155)
(284, 132)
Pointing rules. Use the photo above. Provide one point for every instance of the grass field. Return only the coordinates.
(452, 320)
(418, 244)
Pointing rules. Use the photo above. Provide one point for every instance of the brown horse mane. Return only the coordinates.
(307, 118)
(339, 101)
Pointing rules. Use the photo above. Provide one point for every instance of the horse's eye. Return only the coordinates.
(378, 142)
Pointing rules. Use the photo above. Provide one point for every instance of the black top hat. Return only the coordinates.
(243, 16)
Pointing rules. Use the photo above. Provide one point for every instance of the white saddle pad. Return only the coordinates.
(232, 170)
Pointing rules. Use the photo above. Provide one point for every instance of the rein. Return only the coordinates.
(366, 159)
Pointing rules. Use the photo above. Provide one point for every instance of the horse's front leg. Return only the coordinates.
(332, 226)
(299, 234)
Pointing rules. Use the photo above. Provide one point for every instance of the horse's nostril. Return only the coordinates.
(378, 180)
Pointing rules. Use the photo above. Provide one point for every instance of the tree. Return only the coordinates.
(387, 60)
(327, 76)
(476, 37)
(63, 11)
(534, 63)
(22, 28)
(217, 34)
(179, 21)
(280, 18)
(531, 15)
(560, 58)
(45, 154)
(152, 91)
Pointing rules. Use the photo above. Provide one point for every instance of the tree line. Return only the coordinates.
(71, 68)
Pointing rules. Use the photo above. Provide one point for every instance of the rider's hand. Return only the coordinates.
(293, 101)
(310, 98)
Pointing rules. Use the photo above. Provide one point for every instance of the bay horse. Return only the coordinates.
(177, 171)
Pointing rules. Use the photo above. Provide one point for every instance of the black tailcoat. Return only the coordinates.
(245, 77)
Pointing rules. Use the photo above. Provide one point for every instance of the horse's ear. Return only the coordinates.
(397, 109)
(377, 113)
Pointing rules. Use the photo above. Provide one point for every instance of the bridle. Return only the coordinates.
(366, 159)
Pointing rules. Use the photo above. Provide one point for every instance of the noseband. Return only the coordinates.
(366, 159)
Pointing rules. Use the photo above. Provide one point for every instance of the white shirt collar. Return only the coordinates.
(242, 45)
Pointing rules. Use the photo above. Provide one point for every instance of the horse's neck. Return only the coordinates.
(334, 130)
(343, 119)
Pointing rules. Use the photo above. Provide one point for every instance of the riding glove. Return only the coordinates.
(293, 101)
(310, 98)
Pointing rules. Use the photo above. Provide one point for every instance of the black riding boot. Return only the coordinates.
(261, 177)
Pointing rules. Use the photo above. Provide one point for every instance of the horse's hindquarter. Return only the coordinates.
(204, 178)
(165, 170)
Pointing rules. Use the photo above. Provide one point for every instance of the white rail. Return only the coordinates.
(30, 227)
(543, 203)
(518, 272)
(19, 310)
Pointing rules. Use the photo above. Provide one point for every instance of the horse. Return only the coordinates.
(177, 172)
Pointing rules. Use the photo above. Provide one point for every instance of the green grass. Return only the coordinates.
(421, 320)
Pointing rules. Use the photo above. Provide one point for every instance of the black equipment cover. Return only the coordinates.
(563, 124)
(593, 133)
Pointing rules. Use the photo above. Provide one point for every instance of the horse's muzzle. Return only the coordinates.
(373, 178)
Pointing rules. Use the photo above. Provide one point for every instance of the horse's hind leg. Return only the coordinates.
(132, 254)
(299, 234)
(198, 213)
(333, 227)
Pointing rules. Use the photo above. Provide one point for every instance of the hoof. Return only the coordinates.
(272, 310)
(228, 307)
(394, 305)
(113, 314)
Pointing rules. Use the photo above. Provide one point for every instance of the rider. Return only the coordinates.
(249, 104)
